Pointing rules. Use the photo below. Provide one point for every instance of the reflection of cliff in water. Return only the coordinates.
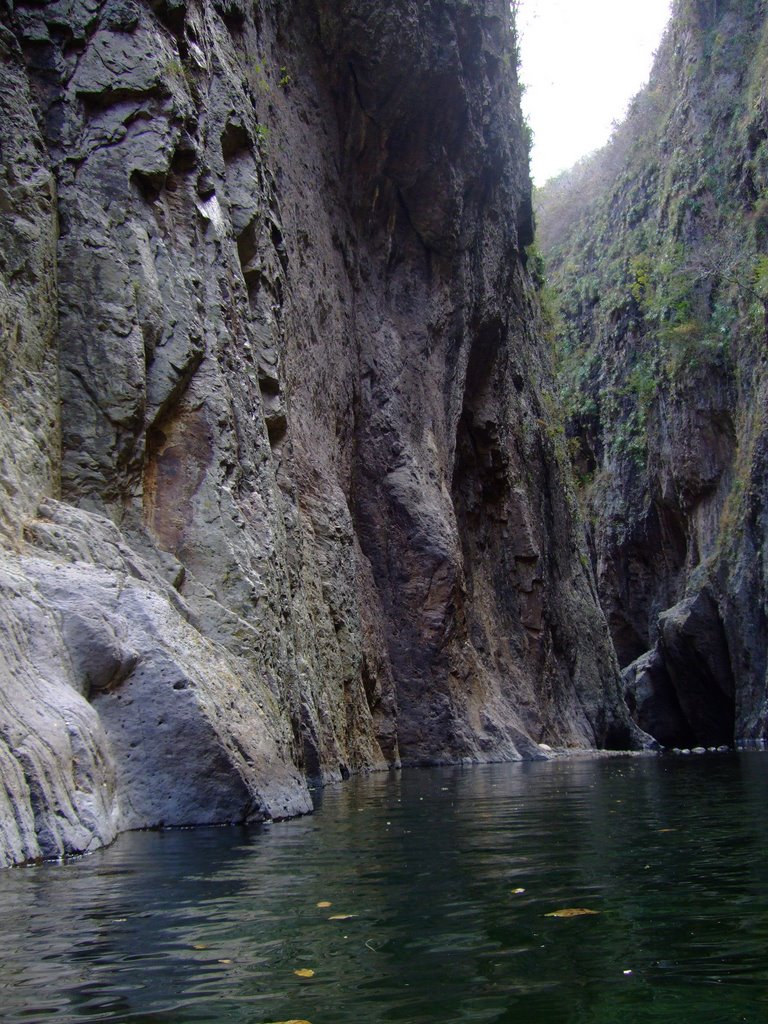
(211, 924)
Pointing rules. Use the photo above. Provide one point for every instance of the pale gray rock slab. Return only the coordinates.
(118, 714)
(59, 776)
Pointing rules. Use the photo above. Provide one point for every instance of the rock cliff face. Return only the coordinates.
(658, 245)
(281, 495)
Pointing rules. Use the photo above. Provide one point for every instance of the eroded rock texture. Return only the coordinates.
(306, 515)
(659, 246)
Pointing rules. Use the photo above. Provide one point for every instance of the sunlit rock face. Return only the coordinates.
(282, 498)
(658, 245)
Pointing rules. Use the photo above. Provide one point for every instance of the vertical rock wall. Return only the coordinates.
(658, 244)
(312, 515)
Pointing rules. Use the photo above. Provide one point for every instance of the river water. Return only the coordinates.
(211, 925)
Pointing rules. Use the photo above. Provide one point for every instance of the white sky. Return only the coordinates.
(582, 61)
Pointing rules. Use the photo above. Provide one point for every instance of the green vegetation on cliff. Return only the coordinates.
(660, 241)
(657, 250)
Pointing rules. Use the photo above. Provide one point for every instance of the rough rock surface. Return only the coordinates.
(659, 246)
(282, 496)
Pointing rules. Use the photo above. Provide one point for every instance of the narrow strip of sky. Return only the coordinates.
(582, 62)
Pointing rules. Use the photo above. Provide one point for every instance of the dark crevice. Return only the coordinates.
(234, 140)
(172, 14)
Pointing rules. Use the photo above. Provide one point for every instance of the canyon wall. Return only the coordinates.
(283, 497)
(658, 246)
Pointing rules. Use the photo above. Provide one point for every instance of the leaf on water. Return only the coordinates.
(224, 961)
(304, 972)
(518, 892)
(324, 904)
(667, 830)
(341, 917)
(571, 912)
(199, 945)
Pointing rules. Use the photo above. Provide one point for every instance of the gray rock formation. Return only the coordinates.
(281, 494)
(659, 244)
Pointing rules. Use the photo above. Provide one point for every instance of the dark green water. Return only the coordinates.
(210, 925)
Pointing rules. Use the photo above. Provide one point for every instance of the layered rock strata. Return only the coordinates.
(282, 498)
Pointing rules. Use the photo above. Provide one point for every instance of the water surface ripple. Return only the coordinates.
(210, 925)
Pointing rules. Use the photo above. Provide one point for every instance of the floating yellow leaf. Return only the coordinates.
(341, 917)
(199, 945)
(324, 904)
(571, 912)
(667, 830)
(304, 972)
(518, 892)
(225, 961)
